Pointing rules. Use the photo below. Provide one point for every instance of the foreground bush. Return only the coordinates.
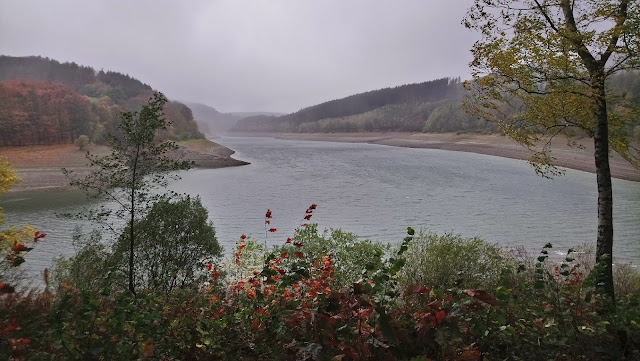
(349, 254)
(552, 312)
(175, 240)
(451, 261)
(294, 306)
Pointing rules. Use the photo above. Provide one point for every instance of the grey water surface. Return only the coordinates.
(374, 191)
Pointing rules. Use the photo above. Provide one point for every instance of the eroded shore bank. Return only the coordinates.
(39, 166)
(492, 144)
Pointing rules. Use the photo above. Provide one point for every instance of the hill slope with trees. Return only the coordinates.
(48, 102)
(433, 106)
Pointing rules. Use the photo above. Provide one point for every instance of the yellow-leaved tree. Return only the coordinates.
(14, 241)
(542, 68)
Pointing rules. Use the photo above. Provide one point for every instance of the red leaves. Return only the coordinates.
(18, 247)
(5, 288)
(288, 241)
(267, 221)
(251, 295)
(241, 245)
(147, 350)
(308, 214)
(297, 244)
(17, 343)
(470, 354)
(12, 326)
(298, 254)
(483, 296)
(38, 236)
(418, 289)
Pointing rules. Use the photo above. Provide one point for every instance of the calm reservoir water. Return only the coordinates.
(373, 191)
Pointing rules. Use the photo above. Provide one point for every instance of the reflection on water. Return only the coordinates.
(376, 192)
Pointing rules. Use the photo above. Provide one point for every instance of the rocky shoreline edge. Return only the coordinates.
(39, 167)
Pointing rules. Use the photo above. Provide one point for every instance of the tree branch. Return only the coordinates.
(575, 37)
(620, 19)
(546, 16)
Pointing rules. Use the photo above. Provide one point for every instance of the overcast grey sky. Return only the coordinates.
(235, 55)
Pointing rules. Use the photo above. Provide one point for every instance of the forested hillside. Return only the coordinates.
(44, 101)
(433, 106)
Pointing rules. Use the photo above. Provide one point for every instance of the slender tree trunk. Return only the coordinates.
(134, 165)
(131, 242)
(604, 248)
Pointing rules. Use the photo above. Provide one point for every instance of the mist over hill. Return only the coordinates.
(213, 123)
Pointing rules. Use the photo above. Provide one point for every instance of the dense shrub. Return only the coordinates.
(559, 313)
(289, 303)
(175, 241)
(450, 261)
(90, 268)
(349, 254)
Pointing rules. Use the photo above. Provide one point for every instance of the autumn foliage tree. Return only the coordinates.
(47, 102)
(14, 241)
(541, 69)
(41, 113)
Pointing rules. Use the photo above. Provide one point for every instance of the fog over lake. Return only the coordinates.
(376, 192)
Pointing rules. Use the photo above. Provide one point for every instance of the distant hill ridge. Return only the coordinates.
(214, 123)
(402, 108)
(48, 102)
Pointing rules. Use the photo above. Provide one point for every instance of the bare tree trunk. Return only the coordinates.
(604, 245)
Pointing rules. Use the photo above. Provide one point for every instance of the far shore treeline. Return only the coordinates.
(48, 102)
(432, 107)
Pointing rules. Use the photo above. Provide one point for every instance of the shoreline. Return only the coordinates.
(39, 166)
(494, 145)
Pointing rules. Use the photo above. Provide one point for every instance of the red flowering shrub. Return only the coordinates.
(301, 304)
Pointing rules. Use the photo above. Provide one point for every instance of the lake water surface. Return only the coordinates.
(376, 192)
